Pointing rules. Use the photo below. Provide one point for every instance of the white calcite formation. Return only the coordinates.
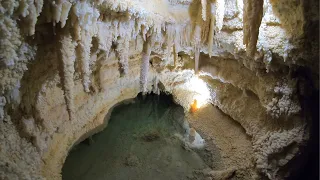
(65, 63)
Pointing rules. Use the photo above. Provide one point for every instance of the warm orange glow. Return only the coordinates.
(194, 106)
(199, 91)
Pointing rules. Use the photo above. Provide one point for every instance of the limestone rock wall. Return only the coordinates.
(65, 64)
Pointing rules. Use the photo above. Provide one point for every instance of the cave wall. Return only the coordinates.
(65, 64)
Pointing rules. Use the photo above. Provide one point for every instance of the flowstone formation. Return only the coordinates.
(65, 63)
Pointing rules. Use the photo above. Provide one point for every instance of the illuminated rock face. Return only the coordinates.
(64, 64)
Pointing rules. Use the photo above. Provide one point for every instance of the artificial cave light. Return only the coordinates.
(194, 106)
(201, 92)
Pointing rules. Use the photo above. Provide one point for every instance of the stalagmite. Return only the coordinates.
(146, 51)
(252, 16)
(67, 56)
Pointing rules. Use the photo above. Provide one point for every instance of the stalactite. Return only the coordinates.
(219, 14)
(64, 14)
(144, 31)
(76, 31)
(146, 51)
(204, 24)
(175, 55)
(127, 29)
(196, 60)
(156, 89)
(122, 52)
(186, 34)
(32, 20)
(196, 25)
(101, 57)
(84, 18)
(177, 44)
(84, 56)
(204, 9)
(252, 16)
(30, 10)
(212, 29)
(104, 36)
(168, 42)
(197, 41)
(168, 52)
(67, 56)
(57, 9)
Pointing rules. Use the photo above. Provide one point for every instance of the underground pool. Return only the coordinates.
(145, 139)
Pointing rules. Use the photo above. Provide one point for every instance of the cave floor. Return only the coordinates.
(141, 142)
(228, 136)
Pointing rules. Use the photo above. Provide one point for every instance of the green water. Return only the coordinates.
(139, 143)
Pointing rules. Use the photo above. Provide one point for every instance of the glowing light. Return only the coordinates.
(200, 91)
(194, 106)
